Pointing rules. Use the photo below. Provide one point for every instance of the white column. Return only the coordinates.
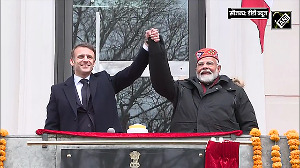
(27, 62)
(10, 61)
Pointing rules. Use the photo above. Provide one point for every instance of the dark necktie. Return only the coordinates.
(85, 93)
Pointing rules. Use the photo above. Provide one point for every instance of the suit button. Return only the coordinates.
(89, 125)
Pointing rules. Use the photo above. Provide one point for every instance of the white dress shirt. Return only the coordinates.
(79, 85)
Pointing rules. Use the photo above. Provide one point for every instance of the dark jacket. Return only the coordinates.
(62, 108)
(223, 107)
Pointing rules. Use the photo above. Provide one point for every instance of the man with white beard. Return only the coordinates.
(207, 102)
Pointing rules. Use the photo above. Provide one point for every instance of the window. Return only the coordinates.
(117, 30)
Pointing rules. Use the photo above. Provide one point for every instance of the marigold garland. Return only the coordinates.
(293, 142)
(3, 133)
(256, 143)
(275, 153)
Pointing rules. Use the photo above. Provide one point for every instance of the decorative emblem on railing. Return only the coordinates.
(135, 155)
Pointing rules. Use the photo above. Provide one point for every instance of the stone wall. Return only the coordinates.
(20, 154)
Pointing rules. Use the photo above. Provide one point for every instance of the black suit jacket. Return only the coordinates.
(62, 107)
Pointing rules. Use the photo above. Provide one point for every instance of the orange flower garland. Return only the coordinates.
(256, 143)
(293, 141)
(3, 133)
(274, 136)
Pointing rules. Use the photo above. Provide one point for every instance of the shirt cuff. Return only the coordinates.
(145, 47)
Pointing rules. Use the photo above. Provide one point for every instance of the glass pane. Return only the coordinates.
(122, 27)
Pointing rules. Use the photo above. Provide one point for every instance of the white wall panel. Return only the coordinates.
(28, 42)
(282, 113)
(10, 61)
(282, 61)
(282, 71)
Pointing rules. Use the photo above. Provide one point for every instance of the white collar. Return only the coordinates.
(77, 78)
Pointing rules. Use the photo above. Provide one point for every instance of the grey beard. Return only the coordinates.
(207, 78)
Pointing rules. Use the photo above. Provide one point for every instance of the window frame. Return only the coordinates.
(63, 35)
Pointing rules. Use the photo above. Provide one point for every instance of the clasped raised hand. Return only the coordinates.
(153, 34)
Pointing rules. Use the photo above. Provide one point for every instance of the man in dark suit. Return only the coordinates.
(93, 109)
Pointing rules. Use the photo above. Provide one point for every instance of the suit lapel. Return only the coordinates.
(93, 86)
(71, 93)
